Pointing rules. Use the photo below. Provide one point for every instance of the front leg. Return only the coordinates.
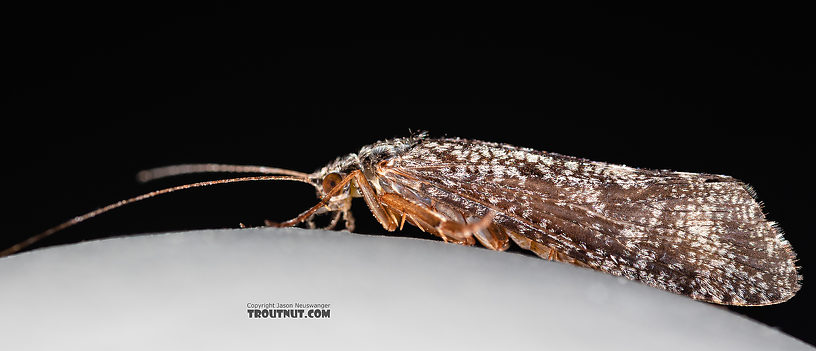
(349, 219)
(386, 219)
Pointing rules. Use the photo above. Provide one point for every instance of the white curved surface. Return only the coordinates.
(189, 290)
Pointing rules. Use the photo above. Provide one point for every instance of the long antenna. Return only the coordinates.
(78, 219)
(174, 170)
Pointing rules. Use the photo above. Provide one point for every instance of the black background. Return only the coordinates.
(97, 93)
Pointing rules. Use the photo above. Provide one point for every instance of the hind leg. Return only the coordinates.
(432, 220)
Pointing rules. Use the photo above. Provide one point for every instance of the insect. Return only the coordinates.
(700, 235)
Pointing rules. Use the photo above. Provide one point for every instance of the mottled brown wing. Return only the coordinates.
(699, 235)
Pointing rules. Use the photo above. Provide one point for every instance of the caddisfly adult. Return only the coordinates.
(700, 235)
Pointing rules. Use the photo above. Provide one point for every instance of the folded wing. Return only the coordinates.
(700, 235)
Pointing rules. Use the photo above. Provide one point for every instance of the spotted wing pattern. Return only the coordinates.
(700, 235)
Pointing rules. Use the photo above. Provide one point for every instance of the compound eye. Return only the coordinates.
(330, 181)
